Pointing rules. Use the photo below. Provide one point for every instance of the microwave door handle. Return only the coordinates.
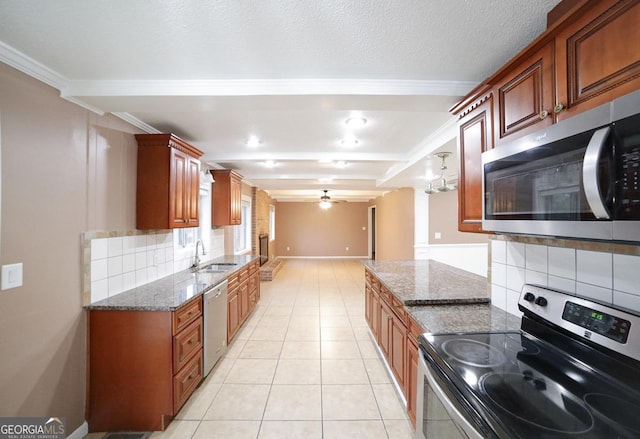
(590, 173)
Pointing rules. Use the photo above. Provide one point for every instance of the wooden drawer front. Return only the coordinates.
(186, 343)
(367, 276)
(375, 285)
(183, 316)
(243, 275)
(185, 381)
(385, 294)
(253, 283)
(398, 309)
(234, 281)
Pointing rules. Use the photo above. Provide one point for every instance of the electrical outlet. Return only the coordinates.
(288, 248)
(437, 235)
(11, 276)
(346, 248)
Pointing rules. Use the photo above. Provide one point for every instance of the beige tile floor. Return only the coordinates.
(302, 366)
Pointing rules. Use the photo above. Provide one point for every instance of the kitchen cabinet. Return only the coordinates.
(168, 182)
(588, 56)
(412, 377)
(143, 366)
(598, 57)
(475, 136)
(242, 297)
(524, 99)
(226, 204)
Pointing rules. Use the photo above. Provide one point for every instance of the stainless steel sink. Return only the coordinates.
(216, 268)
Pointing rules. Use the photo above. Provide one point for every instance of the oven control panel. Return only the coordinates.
(604, 325)
(597, 321)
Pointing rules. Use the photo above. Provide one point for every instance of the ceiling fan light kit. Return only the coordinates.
(325, 200)
(443, 185)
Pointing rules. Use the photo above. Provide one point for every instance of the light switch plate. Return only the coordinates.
(11, 276)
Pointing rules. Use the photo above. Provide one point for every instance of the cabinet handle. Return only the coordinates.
(544, 114)
(558, 108)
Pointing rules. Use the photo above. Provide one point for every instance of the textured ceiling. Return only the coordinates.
(289, 71)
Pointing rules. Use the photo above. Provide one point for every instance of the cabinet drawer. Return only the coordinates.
(183, 316)
(186, 343)
(243, 275)
(185, 381)
(398, 309)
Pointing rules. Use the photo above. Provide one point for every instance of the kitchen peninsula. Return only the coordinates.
(404, 299)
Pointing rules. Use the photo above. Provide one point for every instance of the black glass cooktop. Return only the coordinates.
(532, 389)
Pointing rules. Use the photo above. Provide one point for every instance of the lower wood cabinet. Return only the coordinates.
(242, 297)
(395, 332)
(143, 366)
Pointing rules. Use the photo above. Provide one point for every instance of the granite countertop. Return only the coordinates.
(428, 282)
(454, 319)
(172, 292)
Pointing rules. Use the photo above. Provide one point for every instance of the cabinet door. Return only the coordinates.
(475, 136)
(178, 191)
(236, 201)
(524, 98)
(397, 352)
(412, 378)
(243, 294)
(375, 314)
(367, 303)
(598, 57)
(192, 213)
(233, 313)
(384, 337)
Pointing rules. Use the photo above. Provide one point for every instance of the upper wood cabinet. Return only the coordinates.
(168, 185)
(475, 136)
(226, 200)
(589, 55)
(524, 98)
(598, 57)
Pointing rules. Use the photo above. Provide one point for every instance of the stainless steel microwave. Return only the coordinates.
(578, 178)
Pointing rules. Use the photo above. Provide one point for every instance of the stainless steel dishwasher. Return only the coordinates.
(215, 325)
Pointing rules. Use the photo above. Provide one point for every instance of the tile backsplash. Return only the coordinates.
(119, 261)
(600, 275)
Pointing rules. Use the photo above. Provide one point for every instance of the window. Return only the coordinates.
(272, 222)
(242, 232)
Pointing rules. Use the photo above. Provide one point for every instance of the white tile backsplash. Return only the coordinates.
(596, 275)
(562, 262)
(594, 268)
(515, 278)
(515, 254)
(536, 257)
(499, 251)
(594, 292)
(626, 274)
(121, 263)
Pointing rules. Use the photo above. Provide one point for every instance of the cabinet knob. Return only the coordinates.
(544, 114)
(558, 108)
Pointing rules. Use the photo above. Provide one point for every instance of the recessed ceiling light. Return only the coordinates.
(325, 161)
(356, 121)
(270, 163)
(253, 142)
(349, 142)
(341, 164)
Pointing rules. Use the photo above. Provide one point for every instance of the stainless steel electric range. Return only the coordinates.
(572, 371)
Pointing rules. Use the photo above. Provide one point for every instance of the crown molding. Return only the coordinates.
(265, 87)
(137, 123)
(236, 156)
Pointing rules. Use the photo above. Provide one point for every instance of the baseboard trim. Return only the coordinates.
(323, 257)
(80, 432)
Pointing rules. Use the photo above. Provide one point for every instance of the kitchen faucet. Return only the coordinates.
(196, 260)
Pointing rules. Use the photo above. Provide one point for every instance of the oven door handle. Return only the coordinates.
(456, 415)
(590, 173)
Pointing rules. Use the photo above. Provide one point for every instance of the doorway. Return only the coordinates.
(372, 232)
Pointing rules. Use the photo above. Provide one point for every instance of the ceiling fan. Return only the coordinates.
(325, 200)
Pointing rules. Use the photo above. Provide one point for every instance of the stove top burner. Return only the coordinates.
(473, 353)
(537, 402)
(617, 412)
